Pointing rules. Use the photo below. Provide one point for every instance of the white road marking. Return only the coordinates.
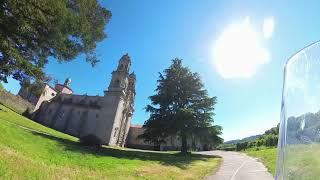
(235, 173)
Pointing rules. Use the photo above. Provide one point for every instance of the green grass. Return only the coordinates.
(268, 156)
(302, 161)
(29, 154)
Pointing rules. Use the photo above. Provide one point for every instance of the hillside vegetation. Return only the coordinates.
(31, 151)
(268, 139)
(250, 138)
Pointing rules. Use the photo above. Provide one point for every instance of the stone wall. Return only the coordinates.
(134, 142)
(173, 143)
(81, 116)
(14, 102)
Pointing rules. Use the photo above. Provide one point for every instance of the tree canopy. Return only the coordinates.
(181, 106)
(31, 31)
(35, 87)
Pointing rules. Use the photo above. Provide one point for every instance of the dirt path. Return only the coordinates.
(238, 166)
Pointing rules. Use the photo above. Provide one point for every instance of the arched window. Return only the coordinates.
(115, 132)
(121, 67)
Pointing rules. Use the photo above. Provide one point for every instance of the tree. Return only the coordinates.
(274, 130)
(34, 30)
(241, 146)
(181, 106)
(210, 135)
(35, 88)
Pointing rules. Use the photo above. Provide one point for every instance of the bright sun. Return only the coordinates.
(238, 51)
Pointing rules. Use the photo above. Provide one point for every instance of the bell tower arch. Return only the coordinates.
(124, 63)
(119, 80)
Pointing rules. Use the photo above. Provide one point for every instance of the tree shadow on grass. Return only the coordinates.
(173, 159)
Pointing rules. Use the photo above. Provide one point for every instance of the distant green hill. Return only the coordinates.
(250, 138)
(31, 151)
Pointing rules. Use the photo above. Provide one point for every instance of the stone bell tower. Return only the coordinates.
(116, 99)
(119, 81)
(127, 110)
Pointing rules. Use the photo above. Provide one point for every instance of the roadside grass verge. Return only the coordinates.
(43, 153)
(302, 160)
(268, 157)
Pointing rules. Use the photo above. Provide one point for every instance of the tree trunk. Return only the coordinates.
(184, 148)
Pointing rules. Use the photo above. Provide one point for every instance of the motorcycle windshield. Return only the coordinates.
(299, 134)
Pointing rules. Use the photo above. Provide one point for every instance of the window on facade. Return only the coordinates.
(53, 94)
(117, 82)
(115, 132)
(60, 116)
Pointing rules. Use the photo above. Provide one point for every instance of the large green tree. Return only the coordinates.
(31, 31)
(181, 106)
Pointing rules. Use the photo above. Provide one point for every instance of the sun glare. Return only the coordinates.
(267, 27)
(238, 51)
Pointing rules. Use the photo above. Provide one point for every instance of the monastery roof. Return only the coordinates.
(50, 86)
(59, 85)
(65, 87)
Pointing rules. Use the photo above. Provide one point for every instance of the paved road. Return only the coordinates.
(238, 166)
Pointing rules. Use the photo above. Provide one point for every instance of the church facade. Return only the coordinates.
(106, 117)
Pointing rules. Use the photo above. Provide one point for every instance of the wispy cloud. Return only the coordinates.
(268, 27)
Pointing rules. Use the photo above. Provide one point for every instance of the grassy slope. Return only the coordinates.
(268, 156)
(33, 155)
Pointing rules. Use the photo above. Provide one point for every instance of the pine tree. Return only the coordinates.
(181, 107)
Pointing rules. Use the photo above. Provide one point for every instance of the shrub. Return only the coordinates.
(251, 144)
(91, 140)
(271, 140)
(242, 146)
(231, 148)
(27, 113)
(227, 147)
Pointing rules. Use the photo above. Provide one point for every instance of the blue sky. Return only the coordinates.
(153, 33)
